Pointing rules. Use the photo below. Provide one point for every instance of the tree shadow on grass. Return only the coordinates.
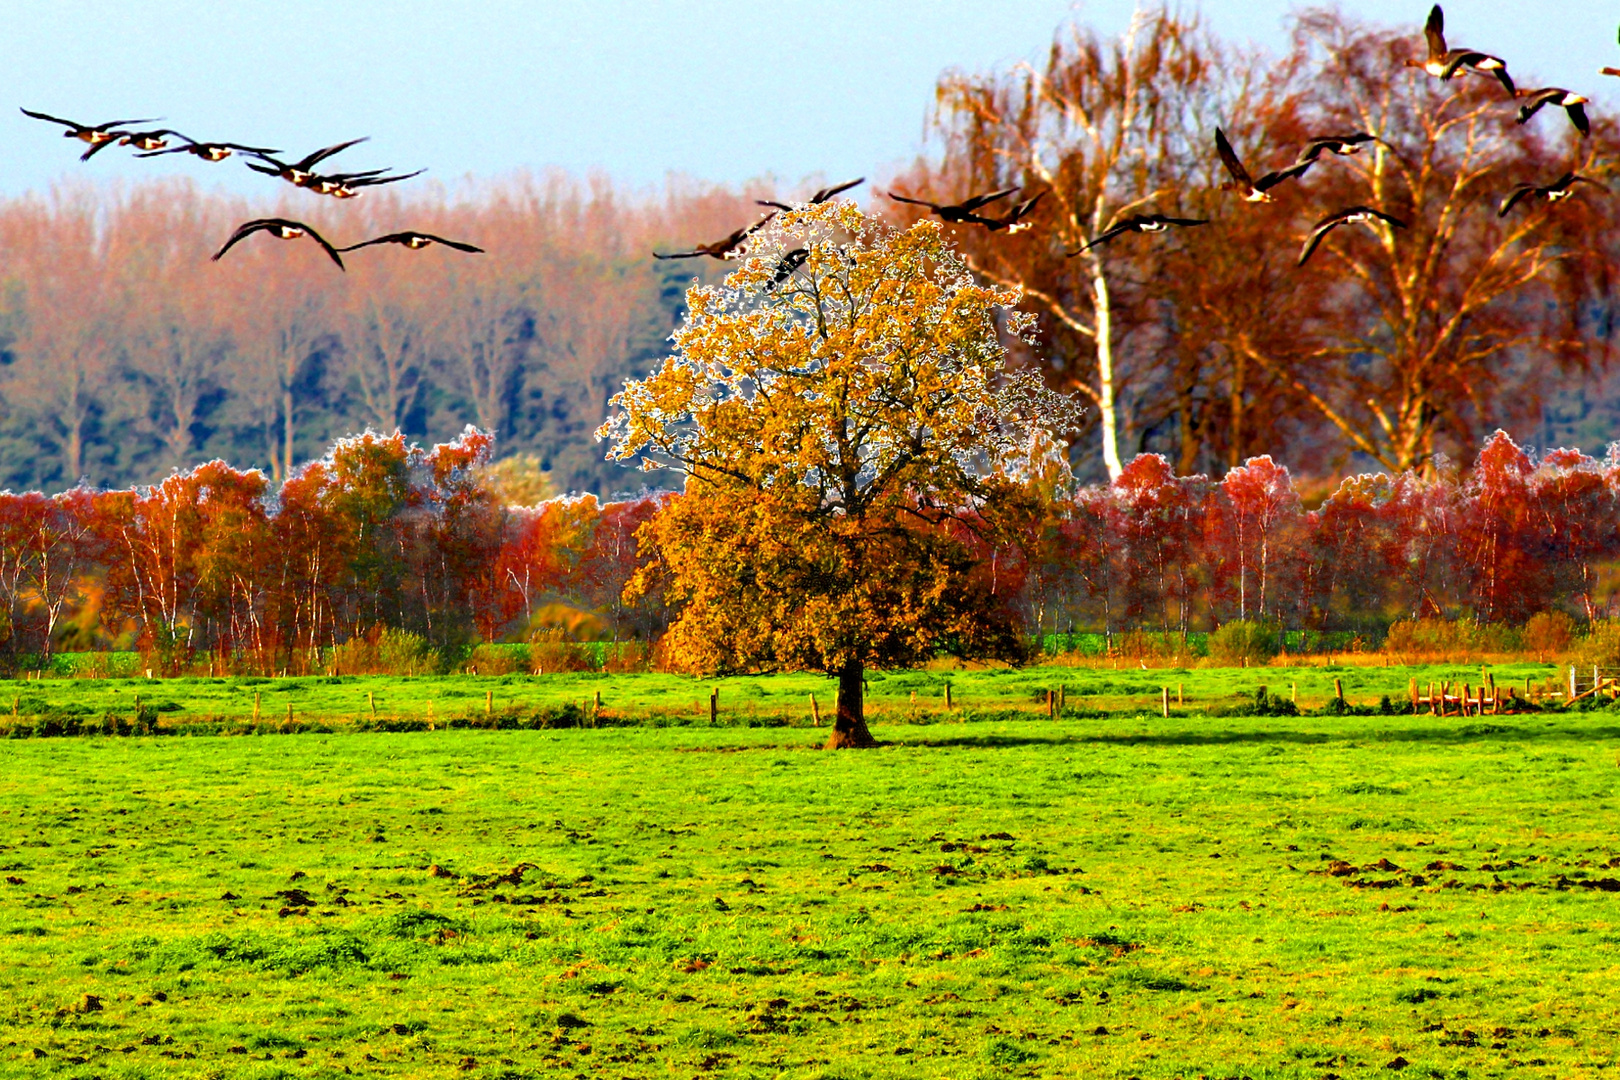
(1530, 731)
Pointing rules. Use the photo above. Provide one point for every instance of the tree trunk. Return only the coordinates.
(849, 728)
(1107, 407)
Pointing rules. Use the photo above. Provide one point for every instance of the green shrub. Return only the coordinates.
(496, 659)
(1244, 640)
(1600, 646)
(1264, 704)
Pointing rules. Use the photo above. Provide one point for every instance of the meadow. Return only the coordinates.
(243, 704)
(1117, 895)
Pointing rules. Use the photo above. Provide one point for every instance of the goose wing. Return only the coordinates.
(373, 181)
(1130, 224)
(321, 155)
(1272, 179)
(54, 120)
(245, 230)
(1534, 100)
(1183, 221)
(1574, 179)
(1434, 32)
(1517, 195)
(1229, 158)
(96, 148)
(325, 245)
(914, 202)
(828, 192)
(977, 201)
(1577, 116)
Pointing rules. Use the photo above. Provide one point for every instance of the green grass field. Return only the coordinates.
(228, 704)
(1116, 896)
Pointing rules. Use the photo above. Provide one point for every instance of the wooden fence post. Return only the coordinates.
(1164, 701)
(1338, 689)
(1413, 688)
(815, 710)
(1051, 704)
(255, 707)
(1572, 682)
(1180, 699)
(289, 712)
(714, 704)
(371, 702)
(489, 704)
(947, 696)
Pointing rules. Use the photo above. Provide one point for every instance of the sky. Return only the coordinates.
(713, 90)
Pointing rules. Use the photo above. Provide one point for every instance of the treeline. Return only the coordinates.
(126, 353)
(392, 551)
(1163, 553)
(386, 554)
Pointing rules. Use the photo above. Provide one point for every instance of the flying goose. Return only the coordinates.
(94, 134)
(785, 266)
(819, 197)
(1348, 216)
(140, 140)
(283, 228)
(208, 151)
(1252, 190)
(1557, 191)
(1342, 145)
(414, 240)
(347, 185)
(958, 213)
(299, 172)
(721, 249)
(1013, 221)
(1573, 103)
(1444, 63)
(1139, 223)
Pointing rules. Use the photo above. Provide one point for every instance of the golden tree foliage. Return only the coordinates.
(852, 437)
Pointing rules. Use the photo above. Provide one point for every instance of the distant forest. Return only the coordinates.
(125, 353)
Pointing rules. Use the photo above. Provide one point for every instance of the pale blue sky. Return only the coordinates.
(718, 90)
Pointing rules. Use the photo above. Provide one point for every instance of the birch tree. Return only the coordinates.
(1102, 130)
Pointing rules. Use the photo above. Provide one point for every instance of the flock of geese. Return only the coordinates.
(1439, 61)
(155, 142)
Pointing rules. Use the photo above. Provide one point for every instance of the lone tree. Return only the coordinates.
(854, 448)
